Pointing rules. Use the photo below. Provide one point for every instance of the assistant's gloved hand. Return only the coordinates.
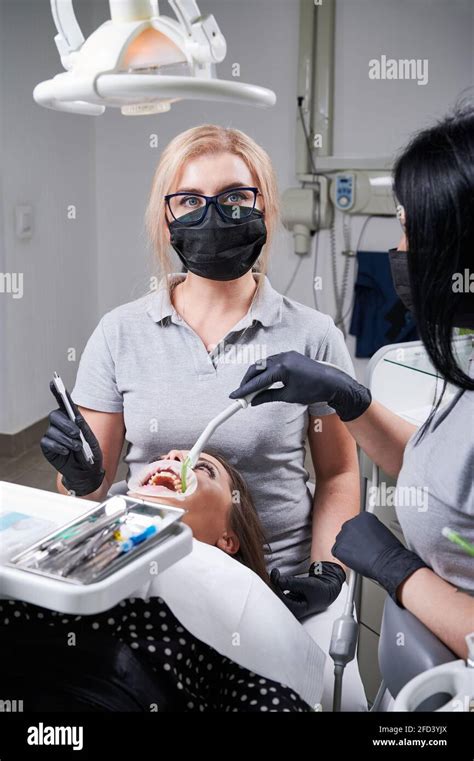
(306, 381)
(369, 548)
(62, 447)
(312, 593)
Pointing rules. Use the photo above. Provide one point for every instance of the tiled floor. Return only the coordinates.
(29, 469)
(32, 469)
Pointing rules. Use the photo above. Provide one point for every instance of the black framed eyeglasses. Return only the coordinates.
(191, 208)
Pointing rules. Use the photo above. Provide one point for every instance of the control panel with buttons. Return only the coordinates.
(345, 187)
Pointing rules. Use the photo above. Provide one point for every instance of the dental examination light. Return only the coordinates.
(141, 62)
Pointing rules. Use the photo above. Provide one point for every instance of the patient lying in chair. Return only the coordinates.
(220, 511)
(188, 674)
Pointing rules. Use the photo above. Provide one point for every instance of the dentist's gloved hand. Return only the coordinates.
(62, 447)
(367, 546)
(310, 594)
(306, 381)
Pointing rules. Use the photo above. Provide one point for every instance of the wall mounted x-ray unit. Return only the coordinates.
(351, 185)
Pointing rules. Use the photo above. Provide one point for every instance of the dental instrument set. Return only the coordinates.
(84, 544)
(88, 589)
(99, 543)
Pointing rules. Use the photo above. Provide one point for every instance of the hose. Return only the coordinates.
(338, 674)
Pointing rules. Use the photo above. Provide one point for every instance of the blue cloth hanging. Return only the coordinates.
(378, 316)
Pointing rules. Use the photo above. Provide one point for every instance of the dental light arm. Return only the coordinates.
(140, 61)
(69, 37)
(69, 41)
(203, 29)
(187, 11)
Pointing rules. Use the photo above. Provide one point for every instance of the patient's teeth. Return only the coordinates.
(165, 478)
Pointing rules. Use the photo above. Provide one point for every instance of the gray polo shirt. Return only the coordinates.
(441, 464)
(145, 361)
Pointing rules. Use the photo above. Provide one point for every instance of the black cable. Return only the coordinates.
(359, 243)
(300, 100)
(293, 277)
(315, 268)
(306, 133)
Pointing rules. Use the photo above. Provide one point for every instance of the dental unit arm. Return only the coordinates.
(141, 61)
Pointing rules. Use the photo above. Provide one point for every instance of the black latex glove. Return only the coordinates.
(367, 546)
(306, 381)
(62, 447)
(310, 594)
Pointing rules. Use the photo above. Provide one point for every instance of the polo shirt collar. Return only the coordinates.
(266, 309)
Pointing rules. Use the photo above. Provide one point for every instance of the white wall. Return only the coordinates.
(47, 160)
(76, 271)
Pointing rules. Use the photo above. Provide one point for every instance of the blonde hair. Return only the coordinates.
(209, 139)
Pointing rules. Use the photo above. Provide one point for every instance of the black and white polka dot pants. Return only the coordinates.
(199, 678)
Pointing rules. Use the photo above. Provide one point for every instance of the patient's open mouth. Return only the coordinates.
(164, 477)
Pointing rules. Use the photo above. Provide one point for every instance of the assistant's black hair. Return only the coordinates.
(434, 182)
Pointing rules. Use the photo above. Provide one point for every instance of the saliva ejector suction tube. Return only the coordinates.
(177, 480)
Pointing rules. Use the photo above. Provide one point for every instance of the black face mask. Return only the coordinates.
(464, 314)
(219, 250)
(401, 276)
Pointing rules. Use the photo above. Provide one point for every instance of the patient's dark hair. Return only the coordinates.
(244, 521)
(434, 182)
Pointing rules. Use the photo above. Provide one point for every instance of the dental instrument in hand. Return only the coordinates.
(61, 389)
(195, 453)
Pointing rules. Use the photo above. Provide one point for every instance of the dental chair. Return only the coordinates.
(399, 663)
(407, 648)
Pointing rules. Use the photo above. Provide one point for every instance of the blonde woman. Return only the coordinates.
(156, 370)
